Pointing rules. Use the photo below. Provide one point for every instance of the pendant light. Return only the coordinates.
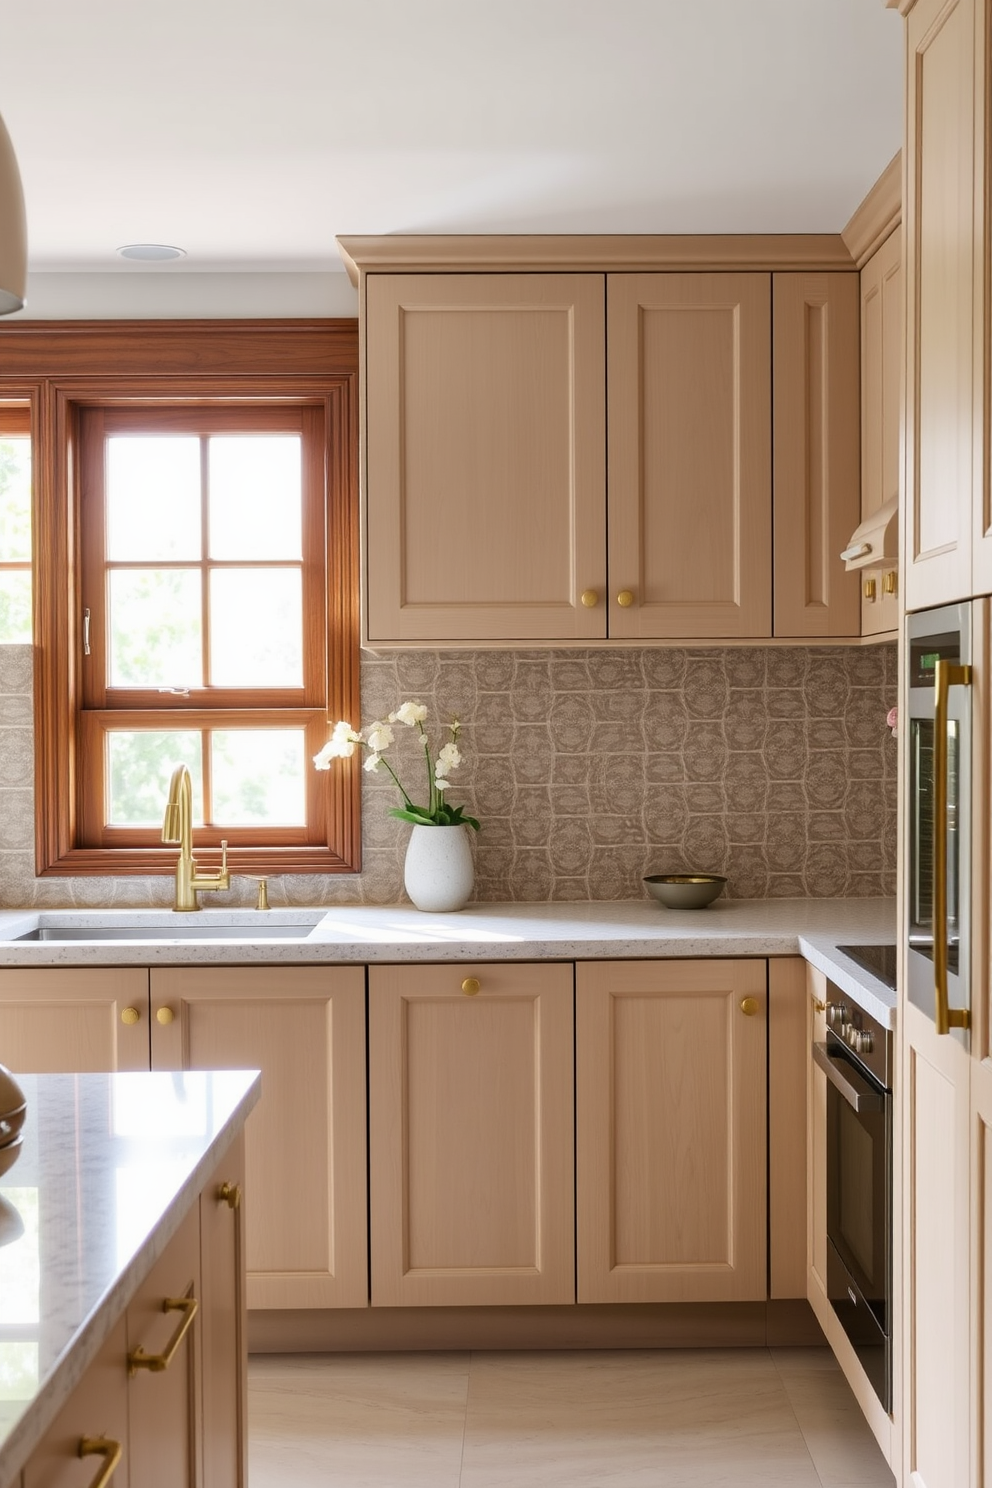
(13, 229)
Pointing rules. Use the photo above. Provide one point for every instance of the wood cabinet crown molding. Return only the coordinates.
(614, 253)
(878, 216)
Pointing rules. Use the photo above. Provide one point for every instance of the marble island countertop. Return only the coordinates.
(813, 928)
(110, 1166)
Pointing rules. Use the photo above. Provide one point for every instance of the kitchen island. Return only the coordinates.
(124, 1206)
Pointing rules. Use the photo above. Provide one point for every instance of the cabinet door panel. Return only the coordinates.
(164, 1406)
(222, 1331)
(941, 307)
(881, 404)
(817, 478)
(304, 1028)
(485, 456)
(55, 1021)
(689, 377)
(471, 1135)
(671, 1131)
(97, 1408)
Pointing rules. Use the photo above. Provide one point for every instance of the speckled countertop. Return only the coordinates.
(110, 1166)
(813, 928)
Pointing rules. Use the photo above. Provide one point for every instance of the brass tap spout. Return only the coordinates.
(177, 827)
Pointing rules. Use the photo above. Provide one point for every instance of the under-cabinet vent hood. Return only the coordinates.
(875, 544)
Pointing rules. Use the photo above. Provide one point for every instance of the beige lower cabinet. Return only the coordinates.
(83, 1019)
(304, 1028)
(471, 1134)
(816, 1145)
(222, 1323)
(95, 1415)
(671, 1146)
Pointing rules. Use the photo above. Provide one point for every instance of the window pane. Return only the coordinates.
(139, 768)
(15, 605)
(15, 498)
(255, 496)
(153, 497)
(259, 777)
(256, 627)
(155, 628)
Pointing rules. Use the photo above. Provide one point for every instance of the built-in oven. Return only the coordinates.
(938, 698)
(856, 1059)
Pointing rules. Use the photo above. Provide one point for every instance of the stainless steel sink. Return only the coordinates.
(226, 931)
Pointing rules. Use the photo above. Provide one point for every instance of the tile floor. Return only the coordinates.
(729, 1418)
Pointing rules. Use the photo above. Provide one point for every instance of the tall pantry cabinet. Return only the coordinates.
(944, 1140)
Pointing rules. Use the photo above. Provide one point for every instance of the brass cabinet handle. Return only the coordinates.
(471, 986)
(164, 1016)
(869, 590)
(946, 675)
(189, 1307)
(750, 1006)
(890, 582)
(129, 1015)
(821, 1007)
(230, 1194)
(625, 599)
(590, 598)
(102, 1446)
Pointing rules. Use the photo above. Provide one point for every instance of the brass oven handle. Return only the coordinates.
(102, 1446)
(946, 675)
(188, 1306)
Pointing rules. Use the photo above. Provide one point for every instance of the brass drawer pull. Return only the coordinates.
(188, 1306)
(471, 986)
(230, 1194)
(102, 1446)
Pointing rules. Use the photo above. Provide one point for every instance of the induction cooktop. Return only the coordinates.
(880, 960)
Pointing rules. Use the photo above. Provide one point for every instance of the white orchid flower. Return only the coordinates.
(409, 713)
(380, 736)
(372, 763)
(448, 758)
(340, 745)
(440, 783)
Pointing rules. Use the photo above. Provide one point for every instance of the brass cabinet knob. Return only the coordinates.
(165, 1015)
(590, 598)
(130, 1015)
(750, 1006)
(471, 986)
(890, 582)
(229, 1194)
(869, 590)
(625, 599)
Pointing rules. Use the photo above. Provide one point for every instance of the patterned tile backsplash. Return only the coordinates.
(587, 769)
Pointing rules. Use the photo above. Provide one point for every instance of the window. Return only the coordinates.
(197, 581)
(15, 524)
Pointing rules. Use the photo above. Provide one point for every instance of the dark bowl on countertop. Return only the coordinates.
(684, 890)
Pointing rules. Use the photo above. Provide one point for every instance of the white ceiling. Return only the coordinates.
(252, 132)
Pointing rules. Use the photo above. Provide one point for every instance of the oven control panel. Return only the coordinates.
(867, 1039)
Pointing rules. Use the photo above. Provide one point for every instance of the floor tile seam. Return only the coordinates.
(795, 1416)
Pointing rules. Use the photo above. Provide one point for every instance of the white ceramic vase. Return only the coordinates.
(438, 873)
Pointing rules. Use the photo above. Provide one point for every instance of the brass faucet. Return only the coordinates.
(178, 827)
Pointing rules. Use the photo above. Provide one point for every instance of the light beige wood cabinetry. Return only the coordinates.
(304, 1028)
(488, 400)
(944, 476)
(471, 1134)
(816, 1139)
(671, 1147)
(76, 1018)
(95, 1414)
(485, 453)
(881, 404)
(222, 1326)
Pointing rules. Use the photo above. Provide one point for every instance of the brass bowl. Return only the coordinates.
(684, 890)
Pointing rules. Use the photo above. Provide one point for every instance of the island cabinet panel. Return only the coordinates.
(816, 1137)
(164, 1410)
(471, 1134)
(95, 1414)
(485, 456)
(943, 444)
(223, 1325)
(671, 1145)
(304, 1028)
(817, 458)
(85, 1019)
(690, 517)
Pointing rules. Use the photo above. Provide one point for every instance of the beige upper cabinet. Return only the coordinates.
(471, 1134)
(304, 1028)
(485, 457)
(671, 1150)
(817, 475)
(689, 380)
(881, 406)
(944, 419)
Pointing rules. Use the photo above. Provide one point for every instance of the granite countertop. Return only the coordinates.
(813, 928)
(110, 1167)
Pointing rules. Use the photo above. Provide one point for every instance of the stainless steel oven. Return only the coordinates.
(856, 1059)
(938, 698)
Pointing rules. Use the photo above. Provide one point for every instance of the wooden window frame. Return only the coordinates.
(59, 368)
